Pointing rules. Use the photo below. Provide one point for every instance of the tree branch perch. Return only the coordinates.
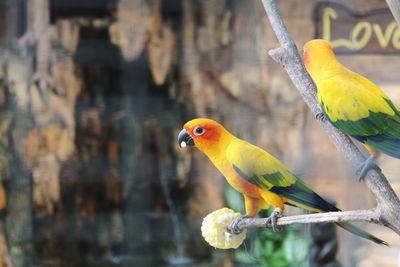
(387, 212)
(340, 216)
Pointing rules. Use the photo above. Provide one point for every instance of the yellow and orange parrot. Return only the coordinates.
(353, 104)
(263, 180)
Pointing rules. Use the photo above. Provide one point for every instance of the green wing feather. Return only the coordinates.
(262, 169)
(368, 115)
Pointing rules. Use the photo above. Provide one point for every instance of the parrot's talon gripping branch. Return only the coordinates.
(272, 221)
(367, 165)
(321, 117)
(235, 227)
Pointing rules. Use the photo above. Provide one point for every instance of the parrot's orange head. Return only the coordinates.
(317, 55)
(205, 134)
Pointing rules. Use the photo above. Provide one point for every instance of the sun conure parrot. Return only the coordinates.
(353, 104)
(263, 180)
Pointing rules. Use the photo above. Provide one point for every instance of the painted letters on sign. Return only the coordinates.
(351, 32)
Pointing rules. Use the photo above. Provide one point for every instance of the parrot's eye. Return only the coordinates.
(199, 131)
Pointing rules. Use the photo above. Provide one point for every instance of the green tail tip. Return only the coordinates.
(381, 242)
(361, 233)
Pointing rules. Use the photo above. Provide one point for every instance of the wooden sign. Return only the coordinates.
(350, 32)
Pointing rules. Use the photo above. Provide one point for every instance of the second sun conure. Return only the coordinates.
(263, 180)
(354, 104)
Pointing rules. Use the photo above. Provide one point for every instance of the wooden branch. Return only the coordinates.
(394, 6)
(370, 216)
(388, 209)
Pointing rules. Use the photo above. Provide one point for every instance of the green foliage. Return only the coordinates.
(234, 199)
(263, 247)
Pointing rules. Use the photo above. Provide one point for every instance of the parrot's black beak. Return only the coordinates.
(184, 139)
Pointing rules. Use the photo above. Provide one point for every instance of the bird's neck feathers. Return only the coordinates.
(321, 64)
(216, 148)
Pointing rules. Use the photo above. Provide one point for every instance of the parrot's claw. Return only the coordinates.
(234, 226)
(272, 220)
(367, 165)
(320, 116)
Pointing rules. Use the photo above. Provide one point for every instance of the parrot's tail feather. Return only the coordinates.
(389, 141)
(385, 144)
(361, 233)
(299, 195)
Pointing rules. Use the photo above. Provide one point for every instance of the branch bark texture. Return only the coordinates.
(387, 211)
(328, 217)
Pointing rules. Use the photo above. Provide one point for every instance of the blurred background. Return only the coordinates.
(93, 94)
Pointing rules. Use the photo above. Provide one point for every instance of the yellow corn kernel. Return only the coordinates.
(215, 229)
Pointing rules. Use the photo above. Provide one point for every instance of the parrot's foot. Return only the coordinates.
(234, 227)
(321, 116)
(272, 220)
(368, 164)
